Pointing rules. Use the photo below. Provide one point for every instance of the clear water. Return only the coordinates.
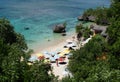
(41, 16)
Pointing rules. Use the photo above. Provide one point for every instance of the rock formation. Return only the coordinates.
(60, 28)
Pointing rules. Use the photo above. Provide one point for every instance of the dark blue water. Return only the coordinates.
(41, 15)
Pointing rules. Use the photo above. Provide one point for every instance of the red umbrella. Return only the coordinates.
(61, 59)
(41, 57)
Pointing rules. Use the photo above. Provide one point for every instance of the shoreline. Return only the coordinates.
(58, 71)
(58, 46)
(55, 45)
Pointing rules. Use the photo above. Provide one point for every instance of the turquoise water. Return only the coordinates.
(41, 16)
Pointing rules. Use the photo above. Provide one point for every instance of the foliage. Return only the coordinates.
(99, 59)
(100, 15)
(68, 79)
(115, 9)
(14, 58)
(65, 24)
(90, 63)
(9, 36)
(83, 31)
(79, 28)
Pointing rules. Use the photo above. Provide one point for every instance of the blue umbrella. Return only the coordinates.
(56, 56)
(33, 58)
(52, 53)
(52, 59)
(45, 52)
(47, 55)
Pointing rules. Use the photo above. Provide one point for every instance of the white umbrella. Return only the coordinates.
(47, 55)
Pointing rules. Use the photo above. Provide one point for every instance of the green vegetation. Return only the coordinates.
(103, 15)
(100, 14)
(83, 31)
(65, 24)
(99, 59)
(14, 58)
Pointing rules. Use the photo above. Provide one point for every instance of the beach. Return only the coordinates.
(58, 47)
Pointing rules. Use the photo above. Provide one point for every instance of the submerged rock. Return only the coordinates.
(26, 28)
(63, 34)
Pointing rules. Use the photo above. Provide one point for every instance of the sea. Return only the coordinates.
(40, 17)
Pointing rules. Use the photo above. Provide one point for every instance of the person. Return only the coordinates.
(57, 62)
(73, 38)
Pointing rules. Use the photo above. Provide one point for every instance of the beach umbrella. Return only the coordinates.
(45, 52)
(66, 51)
(41, 57)
(56, 56)
(39, 54)
(47, 55)
(52, 59)
(33, 58)
(61, 59)
(62, 54)
(52, 53)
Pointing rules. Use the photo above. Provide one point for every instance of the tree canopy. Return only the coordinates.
(14, 58)
(99, 59)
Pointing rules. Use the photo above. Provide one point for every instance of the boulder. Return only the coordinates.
(80, 18)
(83, 18)
(60, 28)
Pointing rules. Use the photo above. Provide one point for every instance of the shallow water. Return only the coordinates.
(41, 16)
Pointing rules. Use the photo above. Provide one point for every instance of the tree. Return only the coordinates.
(85, 59)
(14, 58)
(99, 59)
(83, 31)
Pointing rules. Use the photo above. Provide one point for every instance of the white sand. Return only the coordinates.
(59, 70)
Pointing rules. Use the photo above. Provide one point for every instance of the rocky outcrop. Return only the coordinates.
(99, 29)
(87, 18)
(60, 28)
(80, 18)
